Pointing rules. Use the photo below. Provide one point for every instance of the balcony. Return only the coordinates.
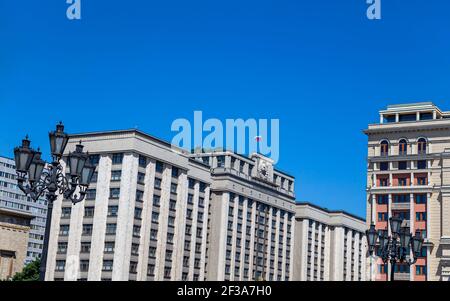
(402, 276)
(400, 206)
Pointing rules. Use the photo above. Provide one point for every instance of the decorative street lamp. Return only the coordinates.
(395, 248)
(35, 177)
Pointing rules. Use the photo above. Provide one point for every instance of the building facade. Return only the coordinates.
(144, 216)
(251, 219)
(12, 198)
(330, 245)
(408, 175)
(14, 231)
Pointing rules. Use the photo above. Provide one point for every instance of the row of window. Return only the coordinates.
(403, 268)
(403, 165)
(383, 199)
(420, 216)
(403, 147)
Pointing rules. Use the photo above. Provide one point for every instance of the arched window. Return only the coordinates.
(384, 148)
(422, 146)
(403, 147)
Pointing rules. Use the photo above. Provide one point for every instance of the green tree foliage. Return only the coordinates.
(29, 273)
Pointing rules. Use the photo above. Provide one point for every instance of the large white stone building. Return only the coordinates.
(408, 175)
(12, 198)
(330, 245)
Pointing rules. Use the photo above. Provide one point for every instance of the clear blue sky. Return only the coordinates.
(321, 67)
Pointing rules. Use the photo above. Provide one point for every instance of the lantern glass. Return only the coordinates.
(36, 168)
(371, 235)
(86, 174)
(396, 223)
(417, 243)
(382, 238)
(58, 141)
(23, 156)
(77, 160)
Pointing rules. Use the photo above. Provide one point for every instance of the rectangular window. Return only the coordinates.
(137, 213)
(384, 166)
(170, 238)
(172, 205)
(107, 265)
(111, 229)
(156, 200)
(117, 158)
(159, 167)
(190, 199)
(142, 161)
(87, 229)
(139, 195)
(167, 272)
(402, 182)
(84, 265)
(90, 194)
(141, 177)
(175, 172)
(62, 247)
(136, 231)
(157, 183)
(155, 217)
(422, 164)
(133, 267)
(65, 212)
(112, 210)
(88, 211)
(152, 252)
(401, 198)
(220, 161)
(134, 249)
(191, 183)
(202, 187)
(421, 216)
(407, 117)
(116, 175)
(85, 247)
(169, 255)
(382, 199)
(60, 265)
(114, 193)
(421, 198)
(153, 234)
(402, 165)
(109, 247)
(422, 181)
(173, 188)
(151, 270)
(421, 270)
(382, 216)
(64, 230)
(94, 159)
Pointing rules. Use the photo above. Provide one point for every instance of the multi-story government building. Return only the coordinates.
(408, 175)
(251, 219)
(12, 198)
(330, 245)
(14, 231)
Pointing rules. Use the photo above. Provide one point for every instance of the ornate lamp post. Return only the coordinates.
(395, 248)
(35, 177)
